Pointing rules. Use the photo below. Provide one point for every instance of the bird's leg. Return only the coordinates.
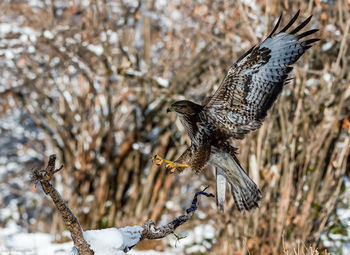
(168, 164)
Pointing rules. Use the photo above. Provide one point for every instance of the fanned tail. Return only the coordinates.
(246, 197)
(243, 189)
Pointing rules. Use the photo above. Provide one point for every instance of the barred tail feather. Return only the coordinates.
(220, 188)
(249, 190)
(243, 189)
(245, 192)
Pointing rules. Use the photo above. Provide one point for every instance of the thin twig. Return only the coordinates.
(152, 232)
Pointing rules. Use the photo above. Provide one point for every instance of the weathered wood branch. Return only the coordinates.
(70, 220)
(150, 231)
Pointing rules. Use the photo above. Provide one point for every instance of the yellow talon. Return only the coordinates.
(171, 166)
(158, 160)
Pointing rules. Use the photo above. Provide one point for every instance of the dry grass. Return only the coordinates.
(305, 251)
(114, 120)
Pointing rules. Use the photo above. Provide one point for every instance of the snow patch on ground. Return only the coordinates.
(111, 241)
(162, 82)
(14, 240)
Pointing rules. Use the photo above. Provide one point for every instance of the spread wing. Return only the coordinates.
(253, 83)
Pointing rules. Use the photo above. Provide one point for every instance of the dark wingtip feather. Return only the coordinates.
(276, 26)
(298, 28)
(287, 81)
(307, 33)
(246, 54)
(307, 42)
(289, 69)
(290, 22)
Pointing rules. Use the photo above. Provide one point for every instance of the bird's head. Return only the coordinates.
(185, 107)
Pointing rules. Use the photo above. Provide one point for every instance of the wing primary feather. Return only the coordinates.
(290, 22)
(289, 69)
(288, 80)
(245, 54)
(307, 33)
(276, 26)
(253, 83)
(307, 42)
(301, 26)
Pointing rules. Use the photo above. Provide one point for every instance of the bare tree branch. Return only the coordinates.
(150, 231)
(70, 220)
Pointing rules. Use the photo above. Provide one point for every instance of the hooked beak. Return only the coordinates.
(170, 109)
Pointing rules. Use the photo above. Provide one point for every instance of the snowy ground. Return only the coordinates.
(15, 240)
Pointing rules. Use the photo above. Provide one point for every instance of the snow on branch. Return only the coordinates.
(110, 241)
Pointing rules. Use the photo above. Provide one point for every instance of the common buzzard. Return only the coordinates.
(240, 104)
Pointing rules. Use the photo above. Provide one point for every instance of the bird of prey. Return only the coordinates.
(240, 104)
